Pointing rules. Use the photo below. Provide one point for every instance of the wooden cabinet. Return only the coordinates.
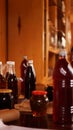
(58, 28)
(33, 31)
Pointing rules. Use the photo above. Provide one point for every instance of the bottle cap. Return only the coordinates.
(25, 57)
(63, 52)
(30, 61)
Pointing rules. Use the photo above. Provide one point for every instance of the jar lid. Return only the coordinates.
(39, 92)
(5, 90)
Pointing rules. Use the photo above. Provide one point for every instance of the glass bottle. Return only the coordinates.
(12, 82)
(30, 79)
(60, 89)
(70, 88)
(2, 78)
(23, 68)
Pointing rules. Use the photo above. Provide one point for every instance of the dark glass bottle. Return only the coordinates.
(70, 88)
(60, 89)
(2, 78)
(30, 80)
(12, 82)
(23, 68)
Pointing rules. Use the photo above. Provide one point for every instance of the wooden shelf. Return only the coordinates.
(47, 81)
(53, 50)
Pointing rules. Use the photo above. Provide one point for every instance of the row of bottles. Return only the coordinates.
(8, 80)
(28, 77)
(63, 89)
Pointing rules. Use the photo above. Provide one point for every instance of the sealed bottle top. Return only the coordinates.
(23, 67)
(24, 61)
(63, 53)
(10, 67)
(30, 63)
(25, 57)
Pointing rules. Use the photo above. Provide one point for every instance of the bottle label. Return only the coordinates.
(71, 83)
(25, 65)
(62, 71)
(70, 68)
(63, 83)
(71, 109)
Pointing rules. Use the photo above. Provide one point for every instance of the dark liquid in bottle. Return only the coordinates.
(2, 82)
(70, 88)
(13, 85)
(60, 108)
(29, 82)
(23, 68)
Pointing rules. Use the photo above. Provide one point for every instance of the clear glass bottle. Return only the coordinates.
(60, 89)
(30, 80)
(12, 82)
(23, 68)
(2, 78)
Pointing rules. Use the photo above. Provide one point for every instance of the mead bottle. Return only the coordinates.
(60, 89)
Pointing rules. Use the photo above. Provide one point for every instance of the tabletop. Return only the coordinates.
(27, 120)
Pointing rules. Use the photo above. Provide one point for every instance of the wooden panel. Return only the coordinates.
(2, 31)
(29, 40)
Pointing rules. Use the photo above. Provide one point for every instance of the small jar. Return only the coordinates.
(39, 103)
(6, 99)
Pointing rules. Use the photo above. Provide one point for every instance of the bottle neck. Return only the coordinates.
(33, 70)
(62, 57)
(71, 59)
(11, 69)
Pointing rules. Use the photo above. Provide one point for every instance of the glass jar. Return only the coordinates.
(6, 99)
(39, 103)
